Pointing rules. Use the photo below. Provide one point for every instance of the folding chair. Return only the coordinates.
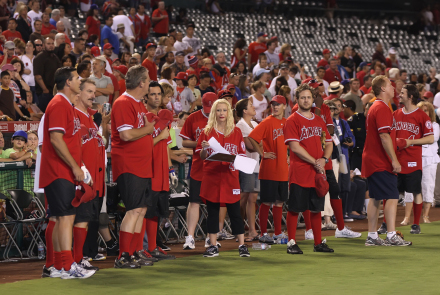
(22, 200)
(11, 235)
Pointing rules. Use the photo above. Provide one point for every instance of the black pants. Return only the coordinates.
(237, 224)
(334, 190)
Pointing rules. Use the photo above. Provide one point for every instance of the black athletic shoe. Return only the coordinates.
(161, 254)
(293, 248)
(382, 229)
(113, 249)
(323, 247)
(243, 251)
(46, 272)
(415, 229)
(146, 256)
(126, 262)
(136, 258)
(87, 266)
(211, 251)
(164, 247)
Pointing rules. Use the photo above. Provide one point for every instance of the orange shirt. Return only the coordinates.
(270, 131)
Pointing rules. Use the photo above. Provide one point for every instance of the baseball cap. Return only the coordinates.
(190, 25)
(207, 101)
(116, 59)
(224, 93)
(345, 82)
(336, 57)
(122, 69)
(428, 94)
(165, 119)
(261, 34)
(90, 44)
(181, 76)
(95, 51)
(284, 66)
(204, 69)
(325, 51)
(150, 45)
(180, 53)
(312, 82)
(230, 86)
(279, 99)
(364, 63)
(192, 60)
(8, 67)
(392, 50)
(108, 46)
(261, 71)
(9, 45)
(83, 194)
(274, 38)
(400, 143)
(321, 185)
(20, 133)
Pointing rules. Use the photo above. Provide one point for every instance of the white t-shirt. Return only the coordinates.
(246, 130)
(123, 19)
(40, 133)
(182, 46)
(194, 43)
(142, 17)
(436, 101)
(28, 64)
(34, 16)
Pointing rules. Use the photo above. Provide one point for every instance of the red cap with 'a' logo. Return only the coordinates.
(207, 101)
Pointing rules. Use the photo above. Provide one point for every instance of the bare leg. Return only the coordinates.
(390, 213)
(192, 217)
(55, 241)
(138, 226)
(65, 232)
(131, 219)
(240, 239)
(408, 209)
(82, 225)
(373, 215)
(426, 207)
(250, 209)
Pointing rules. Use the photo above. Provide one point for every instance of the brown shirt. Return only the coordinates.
(7, 100)
(45, 65)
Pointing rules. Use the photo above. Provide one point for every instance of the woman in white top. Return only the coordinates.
(192, 83)
(249, 183)
(259, 101)
(28, 61)
(430, 159)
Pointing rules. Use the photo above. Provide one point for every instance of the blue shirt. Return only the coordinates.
(53, 22)
(107, 33)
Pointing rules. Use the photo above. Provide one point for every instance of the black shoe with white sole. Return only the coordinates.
(211, 251)
(293, 248)
(126, 262)
(161, 254)
(323, 247)
(243, 251)
(415, 229)
(87, 266)
(136, 258)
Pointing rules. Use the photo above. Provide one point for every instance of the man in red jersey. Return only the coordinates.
(61, 165)
(303, 132)
(191, 130)
(132, 157)
(255, 48)
(413, 125)
(148, 63)
(380, 164)
(92, 156)
(326, 53)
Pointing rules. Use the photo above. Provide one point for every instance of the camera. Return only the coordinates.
(347, 140)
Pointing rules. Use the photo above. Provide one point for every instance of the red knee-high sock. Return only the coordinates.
(79, 237)
(124, 242)
(339, 214)
(316, 226)
(151, 227)
(49, 243)
(292, 223)
(306, 215)
(67, 258)
(57, 261)
(277, 216)
(264, 214)
(134, 243)
(140, 245)
(417, 212)
(384, 217)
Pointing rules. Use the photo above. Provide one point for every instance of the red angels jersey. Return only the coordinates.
(92, 150)
(306, 131)
(220, 183)
(270, 131)
(135, 157)
(191, 130)
(379, 120)
(60, 117)
(413, 125)
(160, 181)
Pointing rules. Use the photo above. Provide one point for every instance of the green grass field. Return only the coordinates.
(352, 269)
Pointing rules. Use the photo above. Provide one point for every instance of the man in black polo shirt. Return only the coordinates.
(45, 66)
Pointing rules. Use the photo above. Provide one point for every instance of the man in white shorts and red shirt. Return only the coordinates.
(303, 132)
(413, 125)
(132, 161)
(191, 130)
(61, 162)
(380, 164)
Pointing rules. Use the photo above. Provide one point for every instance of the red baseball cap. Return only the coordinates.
(149, 45)
(428, 94)
(108, 46)
(274, 38)
(400, 143)
(95, 51)
(204, 69)
(224, 93)
(207, 101)
(325, 51)
(230, 86)
(182, 76)
(165, 119)
(312, 82)
(336, 57)
(123, 69)
(84, 194)
(279, 99)
(152, 117)
(321, 185)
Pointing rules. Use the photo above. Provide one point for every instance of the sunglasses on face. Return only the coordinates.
(38, 45)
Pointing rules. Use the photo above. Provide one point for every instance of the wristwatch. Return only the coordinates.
(326, 160)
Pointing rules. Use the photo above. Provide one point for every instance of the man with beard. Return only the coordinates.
(45, 66)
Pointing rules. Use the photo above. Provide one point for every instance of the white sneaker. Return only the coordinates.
(189, 243)
(309, 235)
(330, 225)
(224, 235)
(77, 272)
(208, 243)
(55, 273)
(347, 233)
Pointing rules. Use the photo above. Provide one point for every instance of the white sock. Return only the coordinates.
(390, 234)
(366, 204)
(373, 235)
